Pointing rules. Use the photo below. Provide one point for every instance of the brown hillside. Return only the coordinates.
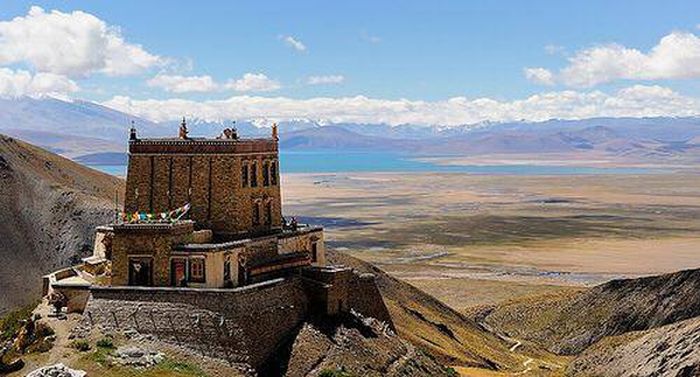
(49, 207)
(568, 324)
(436, 328)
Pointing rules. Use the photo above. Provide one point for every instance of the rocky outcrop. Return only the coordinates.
(361, 347)
(670, 350)
(49, 207)
(57, 370)
(136, 357)
(432, 326)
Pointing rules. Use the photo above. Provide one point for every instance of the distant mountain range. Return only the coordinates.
(95, 134)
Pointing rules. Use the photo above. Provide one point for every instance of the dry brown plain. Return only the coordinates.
(471, 239)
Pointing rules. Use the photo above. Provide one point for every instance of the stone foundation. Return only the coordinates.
(244, 325)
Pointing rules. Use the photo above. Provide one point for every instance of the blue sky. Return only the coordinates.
(427, 51)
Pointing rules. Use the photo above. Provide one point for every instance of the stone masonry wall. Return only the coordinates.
(212, 183)
(243, 325)
(158, 246)
(365, 298)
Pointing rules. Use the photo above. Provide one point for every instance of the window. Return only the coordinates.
(141, 271)
(244, 175)
(197, 273)
(273, 173)
(178, 276)
(254, 175)
(266, 173)
(256, 213)
(268, 213)
(227, 269)
(314, 252)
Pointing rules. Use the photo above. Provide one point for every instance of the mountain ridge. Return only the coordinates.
(81, 128)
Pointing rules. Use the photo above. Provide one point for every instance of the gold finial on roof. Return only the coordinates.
(275, 134)
(132, 132)
(183, 129)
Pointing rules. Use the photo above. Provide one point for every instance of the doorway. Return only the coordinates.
(141, 271)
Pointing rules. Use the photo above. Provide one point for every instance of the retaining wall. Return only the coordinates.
(243, 325)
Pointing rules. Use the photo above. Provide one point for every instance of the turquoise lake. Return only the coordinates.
(337, 162)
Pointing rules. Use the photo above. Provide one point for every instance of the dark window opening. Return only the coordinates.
(256, 213)
(268, 213)
(197, 270)
(227, 269)
(273, 173)
(254, 175)
(314, 252)
(266, 174)
(141, 271)
(244, 175)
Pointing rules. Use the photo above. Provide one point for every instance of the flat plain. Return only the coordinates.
(481, 239)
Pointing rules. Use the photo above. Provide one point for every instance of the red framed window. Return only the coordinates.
(197, 270)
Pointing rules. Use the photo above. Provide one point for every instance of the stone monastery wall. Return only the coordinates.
(164, 177)
(364, 297)
(243, 325)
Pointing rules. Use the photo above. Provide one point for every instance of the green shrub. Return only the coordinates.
(451, 372)
(105, 342)
(12, 321)
(40, 346)
(334, 373)
(81, 345)
(43, 330)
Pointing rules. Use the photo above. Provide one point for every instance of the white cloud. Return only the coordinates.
(253, 82)
(250, 82)
(552, 49)
(294, 43)
(22, 83)
(676, 56)
(72, 44)
(183, 84)
(539, 76)
(370, 38)
(321, 80)
(635, 101)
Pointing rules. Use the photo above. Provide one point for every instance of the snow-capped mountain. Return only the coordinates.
(76, 128)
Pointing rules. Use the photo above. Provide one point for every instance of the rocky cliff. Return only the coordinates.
(49, 207)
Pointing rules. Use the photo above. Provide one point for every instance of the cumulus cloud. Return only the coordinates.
(635, 101)
(539, 76)
(72, 44)
(321, 80)
(253, 82)
(250, 82)
(676, 56)
(294, 43)
(22, 83)
(183, 84)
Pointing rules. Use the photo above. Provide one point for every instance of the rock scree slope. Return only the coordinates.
(49, 207)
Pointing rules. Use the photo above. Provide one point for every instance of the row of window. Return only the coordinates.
(183, 270)
(249, 174)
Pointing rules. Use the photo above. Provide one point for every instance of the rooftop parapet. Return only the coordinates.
(227, 143)
(203, 146)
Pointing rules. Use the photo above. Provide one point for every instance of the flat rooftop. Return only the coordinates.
(218, 246)
(203, 145)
